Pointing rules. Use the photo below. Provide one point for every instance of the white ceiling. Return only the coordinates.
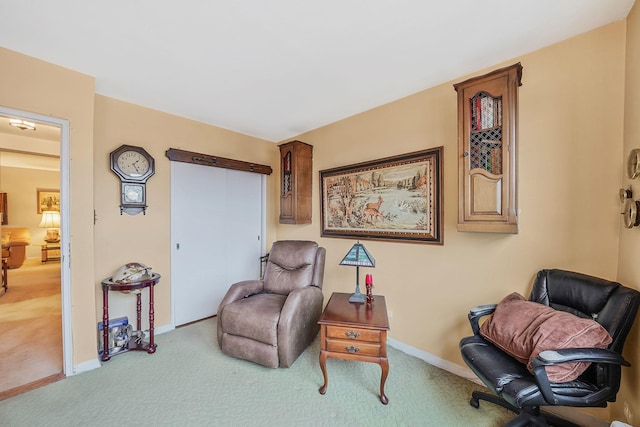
(275, 69)
(42, 131)
(31, 149)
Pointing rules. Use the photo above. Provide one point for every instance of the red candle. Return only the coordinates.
(368, 280)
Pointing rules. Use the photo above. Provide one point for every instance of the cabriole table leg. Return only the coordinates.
(384, 364)
(323, 366)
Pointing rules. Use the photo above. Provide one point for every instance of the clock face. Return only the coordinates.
(132, 193)
(133, 164)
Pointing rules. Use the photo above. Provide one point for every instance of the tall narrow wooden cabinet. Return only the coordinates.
(487, 168)
(295, 182)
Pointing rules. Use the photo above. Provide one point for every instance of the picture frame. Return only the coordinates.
(397, 198)
(48, 200)
(4, 216)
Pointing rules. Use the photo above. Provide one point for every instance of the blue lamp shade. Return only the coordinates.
(358, 256)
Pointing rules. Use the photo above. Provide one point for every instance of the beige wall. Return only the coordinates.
(146, 238)
(571, 110)
(36, 86)
(628, 265)
(21, 186)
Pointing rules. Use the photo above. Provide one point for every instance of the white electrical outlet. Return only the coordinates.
(390, 314)
(628, 414)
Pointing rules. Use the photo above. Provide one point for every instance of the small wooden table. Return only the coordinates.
(46, 248)
(108, 285)
(354, 331)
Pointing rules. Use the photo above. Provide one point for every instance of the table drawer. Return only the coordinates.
(353, 334)
(353, 347)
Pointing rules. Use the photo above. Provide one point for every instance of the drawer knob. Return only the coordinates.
(351, 349)
(352, 334)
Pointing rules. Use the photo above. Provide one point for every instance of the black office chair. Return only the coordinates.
(516, 388)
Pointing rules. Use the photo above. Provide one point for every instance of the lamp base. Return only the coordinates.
(357, 296)
(53, 235)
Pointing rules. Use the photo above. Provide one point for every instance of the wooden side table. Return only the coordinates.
(108, 285)
(46, 248)
(354, 331)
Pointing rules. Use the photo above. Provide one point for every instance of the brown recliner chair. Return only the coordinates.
(14, 243)
(271, 321)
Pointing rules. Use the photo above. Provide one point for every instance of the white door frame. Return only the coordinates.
(65, 267)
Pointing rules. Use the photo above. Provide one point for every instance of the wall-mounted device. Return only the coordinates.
(630, 208)
(633, 163)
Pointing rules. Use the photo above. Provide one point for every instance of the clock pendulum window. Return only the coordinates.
(133, 166)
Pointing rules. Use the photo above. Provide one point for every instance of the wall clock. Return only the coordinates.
(633, 163)
(134, 166)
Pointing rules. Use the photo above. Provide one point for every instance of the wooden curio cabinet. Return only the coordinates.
(487, 169)
(296, 164)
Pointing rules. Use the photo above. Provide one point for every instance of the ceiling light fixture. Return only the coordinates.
(22, 124)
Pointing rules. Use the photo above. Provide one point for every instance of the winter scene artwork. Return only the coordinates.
(396, 198)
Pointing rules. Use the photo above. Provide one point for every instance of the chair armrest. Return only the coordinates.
(302, 305)
(596, 355)
(16, 243)
(566, 355)
(476, 313)
(241, 290)
(300, 311)
(298, 323)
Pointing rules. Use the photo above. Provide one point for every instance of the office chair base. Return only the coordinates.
(526, 416)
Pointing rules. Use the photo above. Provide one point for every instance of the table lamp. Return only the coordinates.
(358, 256)
(51, 221)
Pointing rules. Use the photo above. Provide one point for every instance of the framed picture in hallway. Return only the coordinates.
(48, 200)
(396, 198)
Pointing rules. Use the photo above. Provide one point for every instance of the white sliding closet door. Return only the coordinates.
(216, 227)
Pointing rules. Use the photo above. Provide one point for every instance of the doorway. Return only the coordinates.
(31, 161)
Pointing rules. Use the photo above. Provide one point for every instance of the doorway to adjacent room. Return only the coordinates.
(35, 308)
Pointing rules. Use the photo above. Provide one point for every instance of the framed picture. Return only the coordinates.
(4, 216)
(396, 198)
(48, 200)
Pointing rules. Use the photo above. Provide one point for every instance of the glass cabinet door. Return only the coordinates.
(487, 151)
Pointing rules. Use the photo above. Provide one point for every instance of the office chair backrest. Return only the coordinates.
(609, 303)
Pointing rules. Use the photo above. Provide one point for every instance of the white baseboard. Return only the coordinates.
(163, 329)
(455, 369)
(570, 414)
(89, 365)
(92, 364)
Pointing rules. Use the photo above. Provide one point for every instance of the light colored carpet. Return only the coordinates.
(30, 325)
(189, 382)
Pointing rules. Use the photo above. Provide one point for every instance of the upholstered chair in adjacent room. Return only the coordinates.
(14, 243)
(271, 321)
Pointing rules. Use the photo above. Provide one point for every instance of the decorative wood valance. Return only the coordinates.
(177, 155)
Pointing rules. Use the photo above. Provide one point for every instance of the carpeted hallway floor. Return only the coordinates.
(30, 326)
